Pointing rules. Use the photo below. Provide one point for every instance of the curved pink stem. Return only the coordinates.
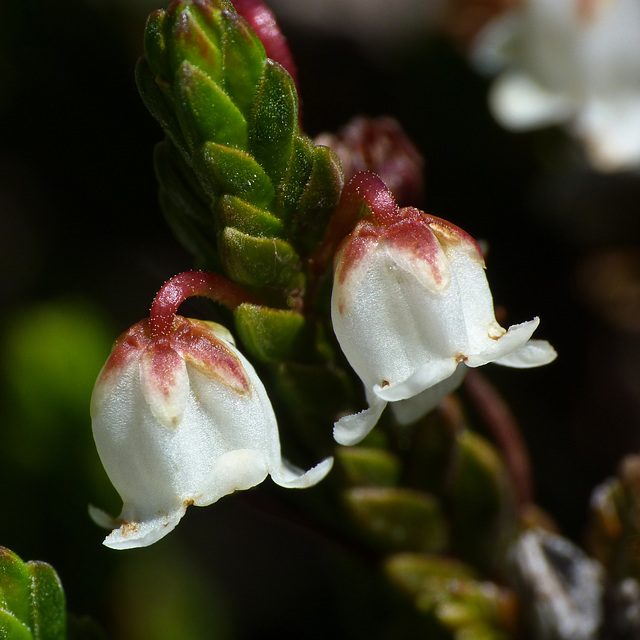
(368, 188)
(185, 285)
(365, 189)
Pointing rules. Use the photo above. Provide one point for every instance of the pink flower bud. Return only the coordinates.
(379, 145)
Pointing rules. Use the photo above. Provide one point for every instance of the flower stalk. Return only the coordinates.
(185, 285)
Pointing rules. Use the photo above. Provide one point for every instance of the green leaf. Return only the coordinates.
(205, 112)
(15, 586)
(260, 262)
(469, 608)
(271, 335)
(319, 199)
(296, 178)
(190, 233)
(313, 394)
(244, 61)
(158, 100)
(155, 46)
(273, 123)
(48, 611)
(237, 173)
(188, 42)
(413, 572)
(368, 467)
(32, 602)
(450, 593)
(177, 179)
(12, 629)
(209, 15)
(236, 213)
(433, 444)
(399, 519)
(483, 510)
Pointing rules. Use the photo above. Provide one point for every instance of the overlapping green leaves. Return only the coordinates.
(32, 603)
(241, 186)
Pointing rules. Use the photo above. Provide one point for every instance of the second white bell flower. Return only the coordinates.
(182, 420)
(411, 309)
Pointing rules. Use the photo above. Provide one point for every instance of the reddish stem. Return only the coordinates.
(185, 285)
(365, 189)
(368, 188)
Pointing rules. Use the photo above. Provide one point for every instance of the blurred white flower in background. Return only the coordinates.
(374, 24)
(572, 62)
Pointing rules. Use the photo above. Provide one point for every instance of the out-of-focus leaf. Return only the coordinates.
(483, 510)
(184, 603)
(368, 467)
(399, 518)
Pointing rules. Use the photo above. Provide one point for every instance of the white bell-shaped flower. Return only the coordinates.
(411, 309)
(183, 419)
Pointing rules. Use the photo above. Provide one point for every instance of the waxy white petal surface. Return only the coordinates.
(186, 421)
(410, 329)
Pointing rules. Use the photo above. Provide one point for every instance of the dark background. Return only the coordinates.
(83, 249)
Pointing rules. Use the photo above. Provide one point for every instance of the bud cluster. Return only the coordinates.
(241, 186)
